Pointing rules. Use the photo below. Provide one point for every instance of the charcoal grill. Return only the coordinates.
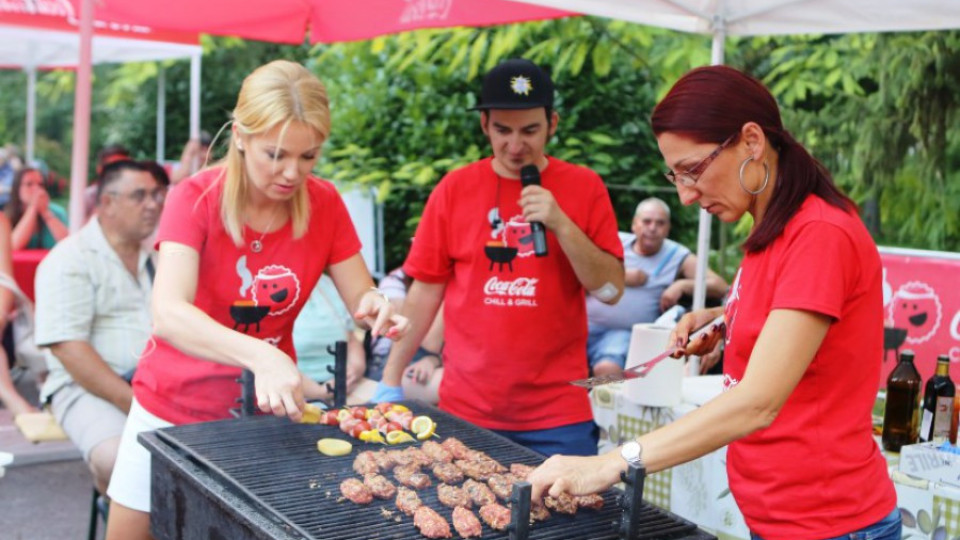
(262, 478)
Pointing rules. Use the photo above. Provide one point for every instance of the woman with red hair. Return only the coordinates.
(804, 325)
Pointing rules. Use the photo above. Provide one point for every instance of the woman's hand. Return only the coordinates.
(279, 385)
(576, 475)
(421, 370)
(690, 323)
(41, 200)
(379, 314)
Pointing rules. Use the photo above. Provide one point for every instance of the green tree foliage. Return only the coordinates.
(879, 110)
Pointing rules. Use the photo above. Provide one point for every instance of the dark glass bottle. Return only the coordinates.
(938, 404)
(901, 417)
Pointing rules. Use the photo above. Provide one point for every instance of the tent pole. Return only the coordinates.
(161, 111)
(81, 119)
(31, 113)
(195, 95)
(703, 234)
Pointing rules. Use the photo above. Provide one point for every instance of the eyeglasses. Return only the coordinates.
(138, 196)
(689, 177)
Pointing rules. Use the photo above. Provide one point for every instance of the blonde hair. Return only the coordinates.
(275, 94)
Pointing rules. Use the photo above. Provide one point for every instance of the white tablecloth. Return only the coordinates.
(699, 492)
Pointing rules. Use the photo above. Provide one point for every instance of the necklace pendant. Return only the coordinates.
(256, 246)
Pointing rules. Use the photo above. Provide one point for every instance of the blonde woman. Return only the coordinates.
(241, 246)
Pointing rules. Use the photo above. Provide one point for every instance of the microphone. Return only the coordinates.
(530, 176)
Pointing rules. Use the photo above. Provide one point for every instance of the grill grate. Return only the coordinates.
(274, 465)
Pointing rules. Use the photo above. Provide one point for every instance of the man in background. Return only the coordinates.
(93, 313)
(658, 273)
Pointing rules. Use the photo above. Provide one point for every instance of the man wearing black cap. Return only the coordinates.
(515, 320)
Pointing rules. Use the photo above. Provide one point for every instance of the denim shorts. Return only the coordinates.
(888, 528)
(608, 344)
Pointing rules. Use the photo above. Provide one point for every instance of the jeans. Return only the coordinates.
(608, 344)
(888, 528)
(570, 440)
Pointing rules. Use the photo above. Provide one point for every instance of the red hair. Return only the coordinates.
(708, 104)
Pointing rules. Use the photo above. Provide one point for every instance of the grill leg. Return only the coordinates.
(520, 511)
(631, 501)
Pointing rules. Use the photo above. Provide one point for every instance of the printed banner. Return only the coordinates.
(921, 301)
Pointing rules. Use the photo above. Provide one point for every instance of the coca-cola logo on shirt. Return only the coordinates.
(520, 287)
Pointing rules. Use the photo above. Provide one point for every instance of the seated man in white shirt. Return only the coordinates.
(93, 313)
(659, 272)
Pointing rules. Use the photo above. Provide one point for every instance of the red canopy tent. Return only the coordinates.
(283, 21)
(325, 21)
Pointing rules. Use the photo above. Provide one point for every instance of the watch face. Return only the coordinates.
(631, 452)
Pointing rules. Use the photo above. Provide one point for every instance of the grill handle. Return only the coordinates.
(247, 394)
(631, 501)
(338, 389)
(520, 511)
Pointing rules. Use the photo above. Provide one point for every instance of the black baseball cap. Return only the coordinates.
(516, 83)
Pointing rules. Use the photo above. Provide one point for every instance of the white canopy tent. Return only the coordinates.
(722, 18)
(61, 45)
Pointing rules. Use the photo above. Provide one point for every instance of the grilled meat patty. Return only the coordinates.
(466, 524)
(430, 523)
(365, 463)
(448, 473)
(380, 486)
(501, 485)
(496, 516)
(407, 500)
(479, 493)
(453, 496)
(411, 476)
(354, 490)
(437, 452)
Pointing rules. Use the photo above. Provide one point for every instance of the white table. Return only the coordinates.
(699, 491)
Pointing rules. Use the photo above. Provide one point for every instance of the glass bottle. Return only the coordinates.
(901, 416)
(938, 404)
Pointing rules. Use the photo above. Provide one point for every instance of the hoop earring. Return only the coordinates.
(766, 177)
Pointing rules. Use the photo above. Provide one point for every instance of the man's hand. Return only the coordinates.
(671, 295)
(634, 278)
(538, 204)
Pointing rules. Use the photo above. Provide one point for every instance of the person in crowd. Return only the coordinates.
(107, 155)
(195, 155)
(323, 321)
(93, 313)
(240, 246)
(658, 272)
(509, 355)
(421, 379)
(9, 395)
(804, 328)
(37, 222)
(10, 163)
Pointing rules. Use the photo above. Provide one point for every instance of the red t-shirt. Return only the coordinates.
(259, 294)
(515, 324)
(816, 472)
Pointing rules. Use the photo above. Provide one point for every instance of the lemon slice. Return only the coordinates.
(400, 408)
(420, 423)
(374, 437)
(311, 414)
(399, 437)
(334, 447)
(427, 432)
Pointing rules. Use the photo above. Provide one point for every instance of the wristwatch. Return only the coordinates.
(631, 452)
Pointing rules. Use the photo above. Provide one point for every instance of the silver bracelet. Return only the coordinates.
(381, 293)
